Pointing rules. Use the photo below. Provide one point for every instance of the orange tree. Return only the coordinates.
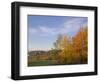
(80, 45)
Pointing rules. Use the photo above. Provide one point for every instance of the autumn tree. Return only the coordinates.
(80, 45)
(72, 50)
(64, 45)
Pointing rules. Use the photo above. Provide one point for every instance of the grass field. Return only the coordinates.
(42, 63)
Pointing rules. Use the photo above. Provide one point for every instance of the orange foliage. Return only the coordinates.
(80, 44)
(73, 50)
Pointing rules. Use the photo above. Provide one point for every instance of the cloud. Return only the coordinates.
(32, 30)
(42, 31)
(69, 27)
(73, 25)
(46, 30)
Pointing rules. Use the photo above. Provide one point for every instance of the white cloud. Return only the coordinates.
(74, 24)
(46, 30)
(69, 26)
(42, 31)
(32, 30)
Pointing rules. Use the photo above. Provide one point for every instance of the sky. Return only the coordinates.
(44, 30)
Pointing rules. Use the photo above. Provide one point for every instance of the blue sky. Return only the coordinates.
(43, 30)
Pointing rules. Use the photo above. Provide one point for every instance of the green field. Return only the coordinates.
(42, 63)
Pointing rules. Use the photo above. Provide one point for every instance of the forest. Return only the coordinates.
(66, 51)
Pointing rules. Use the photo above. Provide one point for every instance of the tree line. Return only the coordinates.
(71, 50)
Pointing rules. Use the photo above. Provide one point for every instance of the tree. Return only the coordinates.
(72, 50)
(64, 45)
(57, 44)
(80, 45)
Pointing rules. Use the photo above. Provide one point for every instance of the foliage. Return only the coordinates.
(80, 45)
(73, 50)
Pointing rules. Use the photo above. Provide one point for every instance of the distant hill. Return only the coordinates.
(41, 52)
(37, 52)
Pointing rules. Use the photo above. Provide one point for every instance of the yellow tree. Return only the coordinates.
(64, 45)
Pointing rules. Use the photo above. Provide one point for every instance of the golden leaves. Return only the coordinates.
(73, 50)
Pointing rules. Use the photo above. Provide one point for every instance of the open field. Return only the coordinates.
(42, 63)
